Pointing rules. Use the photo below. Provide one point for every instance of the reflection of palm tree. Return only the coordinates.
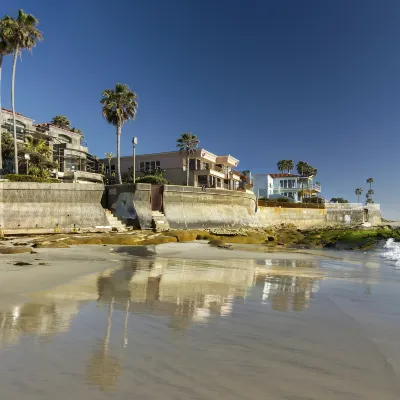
(103, 369)
(126, 323)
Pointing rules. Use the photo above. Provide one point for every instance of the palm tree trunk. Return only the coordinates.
(1, 119)
(13, 109)
(119, 179)
(187, 170)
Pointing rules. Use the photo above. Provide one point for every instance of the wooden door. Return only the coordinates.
(156, 197)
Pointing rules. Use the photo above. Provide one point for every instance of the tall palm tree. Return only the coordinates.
(289, 166)
(110, 156)
(119, 106)
(19, 33)
(187, 144)
(370, 181)
(5, 50)
(281, 164)
(358, 193)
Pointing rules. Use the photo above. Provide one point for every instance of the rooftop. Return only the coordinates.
(16, 113)
(284, 176)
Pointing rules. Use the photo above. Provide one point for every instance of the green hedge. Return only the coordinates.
(153, 179)
(263, 203)
(29, 178)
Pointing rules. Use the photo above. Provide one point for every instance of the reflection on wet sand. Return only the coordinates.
(104, 369)
(192, 291)
(185, 290)
(35, 319)
(240, 344)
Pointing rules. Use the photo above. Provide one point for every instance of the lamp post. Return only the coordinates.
(27, 158)
(134, 143)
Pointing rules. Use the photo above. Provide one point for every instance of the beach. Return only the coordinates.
(192, 321)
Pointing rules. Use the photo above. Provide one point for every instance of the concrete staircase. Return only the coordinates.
(159, 222)
(115, 223)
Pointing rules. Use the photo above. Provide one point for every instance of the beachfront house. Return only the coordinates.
(294, 187)
(69, 152)
(205, 168)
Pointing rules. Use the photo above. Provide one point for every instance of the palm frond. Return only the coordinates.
(119, 104)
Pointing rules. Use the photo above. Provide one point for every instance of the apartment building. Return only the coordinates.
(69, 151)
(205, 168)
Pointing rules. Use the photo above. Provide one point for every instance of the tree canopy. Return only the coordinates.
(338, 200)
(119, 104)
(61, 121)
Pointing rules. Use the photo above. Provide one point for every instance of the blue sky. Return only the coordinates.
(263, 80)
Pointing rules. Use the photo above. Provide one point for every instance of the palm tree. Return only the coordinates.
(4, 51)
(358, 193)
(110, 156)
(370, 181)
(281, 164)
(289, 166)
(370, 192)
(19, 33)
(187, 144)
(119, 106)
(62, 122)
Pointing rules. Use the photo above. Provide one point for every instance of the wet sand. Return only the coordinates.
(187, 321)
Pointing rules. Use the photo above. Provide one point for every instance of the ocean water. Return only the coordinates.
(392, 252)
(168, 328)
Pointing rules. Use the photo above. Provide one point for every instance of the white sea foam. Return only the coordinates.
(392, 251)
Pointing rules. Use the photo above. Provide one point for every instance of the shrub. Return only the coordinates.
(29, 178)
(153, 179)
(275, 203)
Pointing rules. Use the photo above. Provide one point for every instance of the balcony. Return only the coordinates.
(235, 175)
(212, 170)
(312, 187)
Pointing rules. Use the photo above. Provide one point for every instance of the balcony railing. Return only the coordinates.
(312, 186)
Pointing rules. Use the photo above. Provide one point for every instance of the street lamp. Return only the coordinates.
(27, 158)
(134, 143)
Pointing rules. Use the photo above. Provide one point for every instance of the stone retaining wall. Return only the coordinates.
(45, 207)
(192, 208)
(301, 217)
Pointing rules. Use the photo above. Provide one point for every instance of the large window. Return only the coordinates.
(149, 166)
(288, 183)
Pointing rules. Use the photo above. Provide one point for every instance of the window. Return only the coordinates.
(141, 167)
(147, 165)
(158, 164)
(192, 164)
(112, 168)
(64, 139)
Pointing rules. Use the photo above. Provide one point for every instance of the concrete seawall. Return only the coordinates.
(36, 207)
(301, 217)
(192, 208)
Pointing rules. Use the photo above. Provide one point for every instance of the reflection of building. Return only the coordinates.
(38, 319)
(70, 153)
(185, 290)
(287, 291)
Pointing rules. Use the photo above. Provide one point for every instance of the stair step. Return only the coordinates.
(114, 221)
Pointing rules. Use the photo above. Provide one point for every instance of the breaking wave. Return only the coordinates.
(392, 251)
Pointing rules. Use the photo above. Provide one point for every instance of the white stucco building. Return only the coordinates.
(287, 185)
